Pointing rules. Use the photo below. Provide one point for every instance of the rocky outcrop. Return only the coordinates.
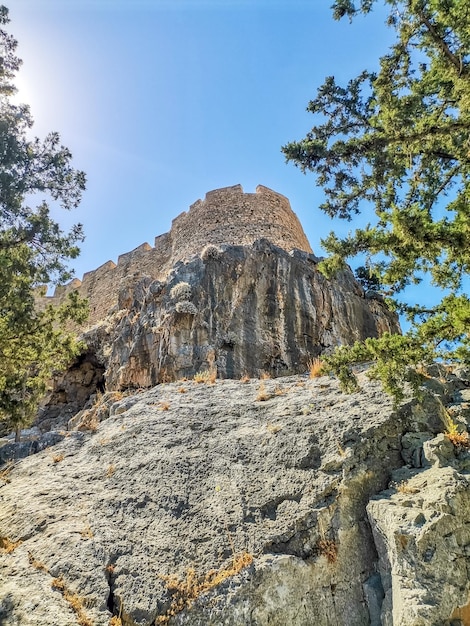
(236, 310)
(233, 287)
(270, 502)
(243, 310)
(73, 390)
(422, 531)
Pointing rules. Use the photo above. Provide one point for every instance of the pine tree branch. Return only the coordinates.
(456, 62)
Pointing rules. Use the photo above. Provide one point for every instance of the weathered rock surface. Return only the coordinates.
(73, 390)
(32, 442)
(188, 475)
(250, 309)
(240, 310)
(423, 536)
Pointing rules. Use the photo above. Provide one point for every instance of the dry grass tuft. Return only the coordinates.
(58, 583)
(201, 377)
(211, 252)
(265, 376)
(460, 440)
(245, 379)
(273, 428)
(329, 549)
(315, 367)
(404, 487)
(108, 397)
(99, 399)
(185, 592)
(91, 421)
(263, 395)
(182, 390)
(164, 406)
(87, 533)
(280, 392)
(5, 473)
(57, 458)
(181, 291)
(37, 564)
(208, 376)
(8, 545)
(110, 471)
(75, 602)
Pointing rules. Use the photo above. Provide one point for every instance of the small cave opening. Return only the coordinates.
(71, 391)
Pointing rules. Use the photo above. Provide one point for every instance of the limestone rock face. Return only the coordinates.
(237, 310)
(423, 534)
(71, 392)
(268, 503)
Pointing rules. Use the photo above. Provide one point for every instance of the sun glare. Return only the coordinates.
(23, 94)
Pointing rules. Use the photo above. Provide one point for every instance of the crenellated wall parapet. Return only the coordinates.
(225, 216)
(230, 216)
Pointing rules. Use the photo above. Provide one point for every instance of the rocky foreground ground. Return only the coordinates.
(277, 502)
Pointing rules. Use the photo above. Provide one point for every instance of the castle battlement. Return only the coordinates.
(225, 216)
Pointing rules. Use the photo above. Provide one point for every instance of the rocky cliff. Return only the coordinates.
(257, 503)
(233, 310)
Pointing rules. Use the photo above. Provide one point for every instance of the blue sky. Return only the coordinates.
(162, 100)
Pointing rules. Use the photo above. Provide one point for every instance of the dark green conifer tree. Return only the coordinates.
(394, 145)
(33, 249)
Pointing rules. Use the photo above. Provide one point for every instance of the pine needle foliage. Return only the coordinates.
(394, 145)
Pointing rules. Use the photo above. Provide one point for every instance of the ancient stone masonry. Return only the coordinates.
(225, 216)
(232, 217)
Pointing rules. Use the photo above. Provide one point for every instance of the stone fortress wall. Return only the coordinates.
(225, 216)
(231, 216)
